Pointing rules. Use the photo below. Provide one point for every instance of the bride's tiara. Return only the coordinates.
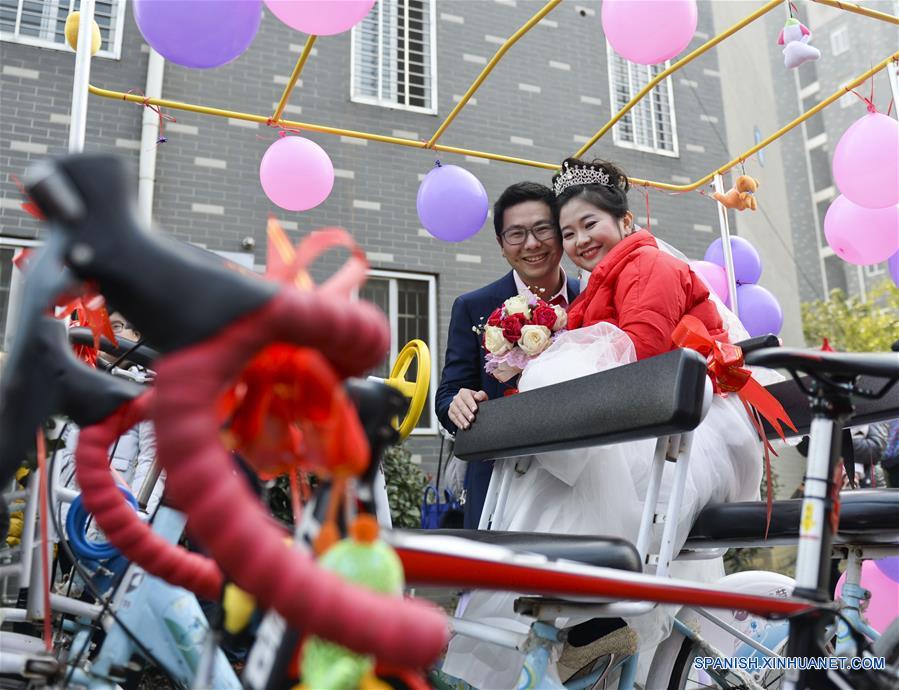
(579, 175)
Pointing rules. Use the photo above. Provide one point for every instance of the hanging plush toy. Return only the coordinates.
(795, 39)
(741, 196)
(364, 560)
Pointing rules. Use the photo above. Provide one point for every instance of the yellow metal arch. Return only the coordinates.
(276, 121)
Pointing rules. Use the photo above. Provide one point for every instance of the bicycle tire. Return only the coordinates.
(888, 645)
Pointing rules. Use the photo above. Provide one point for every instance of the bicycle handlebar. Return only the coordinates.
(210, 337)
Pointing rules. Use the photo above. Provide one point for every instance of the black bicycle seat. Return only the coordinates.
(142, 354)
(174, 294)
(51, 380)
(845, 365)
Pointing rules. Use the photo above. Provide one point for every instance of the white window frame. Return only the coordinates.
(666, 83)
(874, 270)
(114, 54)
(432, 333)
(839, 41)
(384, 103)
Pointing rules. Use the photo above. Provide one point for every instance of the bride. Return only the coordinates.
(636, 295)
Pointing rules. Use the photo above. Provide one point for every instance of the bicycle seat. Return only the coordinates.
(867, 516)
(51, 380)
(142, 354)
(175, 294)
(815, 362)
(606, 552)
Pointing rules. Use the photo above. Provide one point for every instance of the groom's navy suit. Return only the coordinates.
(464, 368)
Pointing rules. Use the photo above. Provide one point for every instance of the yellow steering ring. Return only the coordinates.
(417, 390)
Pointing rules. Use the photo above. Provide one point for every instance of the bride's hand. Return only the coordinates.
(464, 407)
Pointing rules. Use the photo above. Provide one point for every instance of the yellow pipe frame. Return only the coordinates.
(858, 9)
(488, 68)
(432, 145)
(295, 75)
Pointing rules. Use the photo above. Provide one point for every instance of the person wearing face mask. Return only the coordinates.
(528, 237)
(636, 296)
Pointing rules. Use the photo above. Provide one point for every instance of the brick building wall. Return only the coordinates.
(544, 99)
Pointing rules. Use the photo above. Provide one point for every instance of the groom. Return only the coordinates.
(530, 241)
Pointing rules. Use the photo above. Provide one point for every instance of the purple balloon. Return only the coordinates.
(889, 567)
(747, 262)
(893, 264)
(759, 310)
(198, 33)
(452, 203)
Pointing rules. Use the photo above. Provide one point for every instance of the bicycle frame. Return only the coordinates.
(809, 608)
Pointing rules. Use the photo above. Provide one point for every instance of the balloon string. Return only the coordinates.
(868, 101)
(161, 139)
(648, 222)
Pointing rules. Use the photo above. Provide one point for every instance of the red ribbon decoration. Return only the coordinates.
(725, 363)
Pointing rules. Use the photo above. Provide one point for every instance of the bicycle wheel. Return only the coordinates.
(888, 645)
(685, 677)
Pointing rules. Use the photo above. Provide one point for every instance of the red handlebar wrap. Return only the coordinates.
(228, 519)
(124, 529)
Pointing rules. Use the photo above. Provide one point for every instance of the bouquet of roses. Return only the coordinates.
(519, 330)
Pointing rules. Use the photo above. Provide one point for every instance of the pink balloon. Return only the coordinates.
(649, 31)
(884, 605)
(715, 277)
(866, 161)
(862, 235)
(320, 17)
(296, 174)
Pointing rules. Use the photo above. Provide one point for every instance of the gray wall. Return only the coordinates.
(572, 103)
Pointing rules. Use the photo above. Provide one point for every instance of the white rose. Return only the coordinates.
(534, 339)
(561, 318)
(518, 305)
(495, 341)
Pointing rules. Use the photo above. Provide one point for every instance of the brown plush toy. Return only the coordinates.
(741, 196)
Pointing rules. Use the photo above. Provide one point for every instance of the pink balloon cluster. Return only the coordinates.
(296, 173)
(649, 31)
(758, 309)
(862, 224)
(320, 17)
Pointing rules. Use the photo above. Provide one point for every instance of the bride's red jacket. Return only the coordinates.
(645, 292)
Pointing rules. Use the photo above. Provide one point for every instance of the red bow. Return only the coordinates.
(725, 362)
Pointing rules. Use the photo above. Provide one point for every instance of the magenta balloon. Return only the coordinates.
(759, 310)
(198, 33)
(860, 235)
(893, 265)
(747, 262)
(866, 161)
(320, 17)
(889, 567)
(649, 31)
(715, 277)
(884, 605)
(296, 174)
(452, 203)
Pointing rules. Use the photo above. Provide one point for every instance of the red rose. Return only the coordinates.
(511, 326)
(495, 317)
(544, 315)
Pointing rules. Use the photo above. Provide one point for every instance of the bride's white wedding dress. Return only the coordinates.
(600, 491)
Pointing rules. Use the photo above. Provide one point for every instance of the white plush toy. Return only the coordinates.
(795, 38)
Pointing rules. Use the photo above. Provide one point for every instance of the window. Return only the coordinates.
(410, 302)
(392, 58)
(875, 270)
(8, 249)
(839, 41)
(650, 125)
(42, 23)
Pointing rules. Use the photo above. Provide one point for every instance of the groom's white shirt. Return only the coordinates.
(525, 290)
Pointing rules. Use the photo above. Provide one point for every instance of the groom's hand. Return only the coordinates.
(464, 407)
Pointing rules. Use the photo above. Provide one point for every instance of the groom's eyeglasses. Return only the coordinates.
(541, 232)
